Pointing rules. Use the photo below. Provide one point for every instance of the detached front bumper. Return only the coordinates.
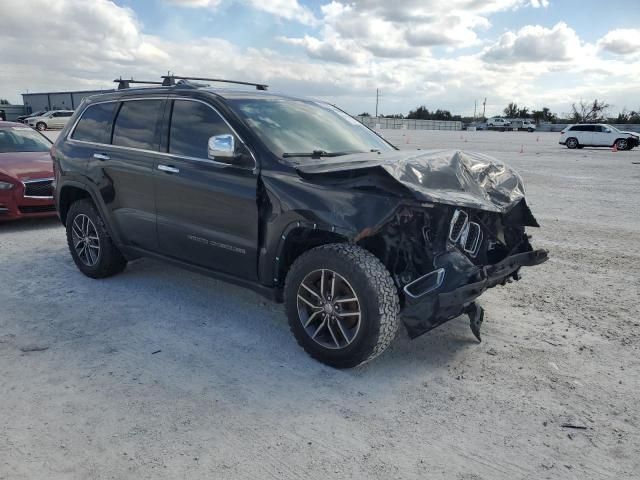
(447, 292)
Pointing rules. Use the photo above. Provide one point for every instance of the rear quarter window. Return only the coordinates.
(95, 124)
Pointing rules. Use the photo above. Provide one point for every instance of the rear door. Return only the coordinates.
(584, 134)
(207, 210)
(123, 170)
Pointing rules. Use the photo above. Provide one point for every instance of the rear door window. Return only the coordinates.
(95, 124)
(192, 124)
(135, 125)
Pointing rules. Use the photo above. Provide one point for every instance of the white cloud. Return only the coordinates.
(622, 41)
(287, 9)
(344, 62)
(535, 43)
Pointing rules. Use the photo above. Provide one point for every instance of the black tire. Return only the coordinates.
(377, 301)
(108, 259)
(41, 126)
(622, 144)
(572, 143)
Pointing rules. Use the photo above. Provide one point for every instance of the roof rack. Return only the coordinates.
(170, 80)
(124, 83)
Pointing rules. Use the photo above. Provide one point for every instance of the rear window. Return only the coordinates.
(95, 124)
(135, 125)
(583, 128)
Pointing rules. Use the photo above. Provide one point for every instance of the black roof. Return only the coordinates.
(186, 88)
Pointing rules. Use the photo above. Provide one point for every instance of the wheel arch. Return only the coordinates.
(70, 193)
(298, 238)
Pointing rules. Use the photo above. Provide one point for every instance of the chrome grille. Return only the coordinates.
(465, 233)
(472, 239)
(458, 225)
(38, 188)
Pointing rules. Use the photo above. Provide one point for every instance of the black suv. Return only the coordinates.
(295, 199)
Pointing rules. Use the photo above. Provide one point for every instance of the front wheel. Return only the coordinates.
(342, 304)
(622, 144)
(41, 126)
(91, 247)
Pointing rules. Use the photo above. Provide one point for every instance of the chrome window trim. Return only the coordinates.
(69, 137)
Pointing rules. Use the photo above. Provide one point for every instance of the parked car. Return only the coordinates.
(297, 200)
(524, 125)
(26, 173)
(598, 135)
(52, 119)
(23, 118)
(498, 122)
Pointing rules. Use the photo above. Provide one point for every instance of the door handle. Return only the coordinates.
(168, 169)
(101, 156)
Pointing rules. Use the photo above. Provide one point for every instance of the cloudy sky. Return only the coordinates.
(440, 53)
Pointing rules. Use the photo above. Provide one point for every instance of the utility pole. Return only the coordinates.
(475, 108)
(484, 108)
(377, 101)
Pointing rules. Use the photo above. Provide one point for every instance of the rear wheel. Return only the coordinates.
(91, 247)
(41, 126)
(572, 143)
(342, 304)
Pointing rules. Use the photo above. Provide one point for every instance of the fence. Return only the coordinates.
(13, 111)
(382, 123)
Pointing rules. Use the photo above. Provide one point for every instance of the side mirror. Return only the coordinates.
(221, 147)
(608, 130)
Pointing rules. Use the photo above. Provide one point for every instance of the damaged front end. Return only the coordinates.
(442, 258)
(459, 231)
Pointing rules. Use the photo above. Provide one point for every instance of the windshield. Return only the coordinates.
(290, 126)
(22, 140)
(613, 129)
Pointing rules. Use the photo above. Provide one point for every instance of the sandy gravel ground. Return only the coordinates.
(230, 395)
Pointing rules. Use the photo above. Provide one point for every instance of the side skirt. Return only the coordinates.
(272, 294)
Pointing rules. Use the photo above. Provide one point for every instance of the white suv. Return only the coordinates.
(51, 119)
(597, 135)
(498, 122)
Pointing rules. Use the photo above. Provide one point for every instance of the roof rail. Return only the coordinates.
(124, 83)
(170, 80)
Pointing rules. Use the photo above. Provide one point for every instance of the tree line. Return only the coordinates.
(596, 111)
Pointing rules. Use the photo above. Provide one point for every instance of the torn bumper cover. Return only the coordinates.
(446, 292)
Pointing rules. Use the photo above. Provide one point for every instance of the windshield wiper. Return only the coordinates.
(317, 154)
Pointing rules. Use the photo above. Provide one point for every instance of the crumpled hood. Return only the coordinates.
(452, 177)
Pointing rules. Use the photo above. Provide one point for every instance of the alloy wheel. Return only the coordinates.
(622, 145)
(85, 240)
(329, 309)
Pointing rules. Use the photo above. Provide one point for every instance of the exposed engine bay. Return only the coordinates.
(434, 248)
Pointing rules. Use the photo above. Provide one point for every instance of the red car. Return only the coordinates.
(26, 173)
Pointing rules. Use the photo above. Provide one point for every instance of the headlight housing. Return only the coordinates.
(5, 185)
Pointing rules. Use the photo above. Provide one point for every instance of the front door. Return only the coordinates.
(207, 211)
